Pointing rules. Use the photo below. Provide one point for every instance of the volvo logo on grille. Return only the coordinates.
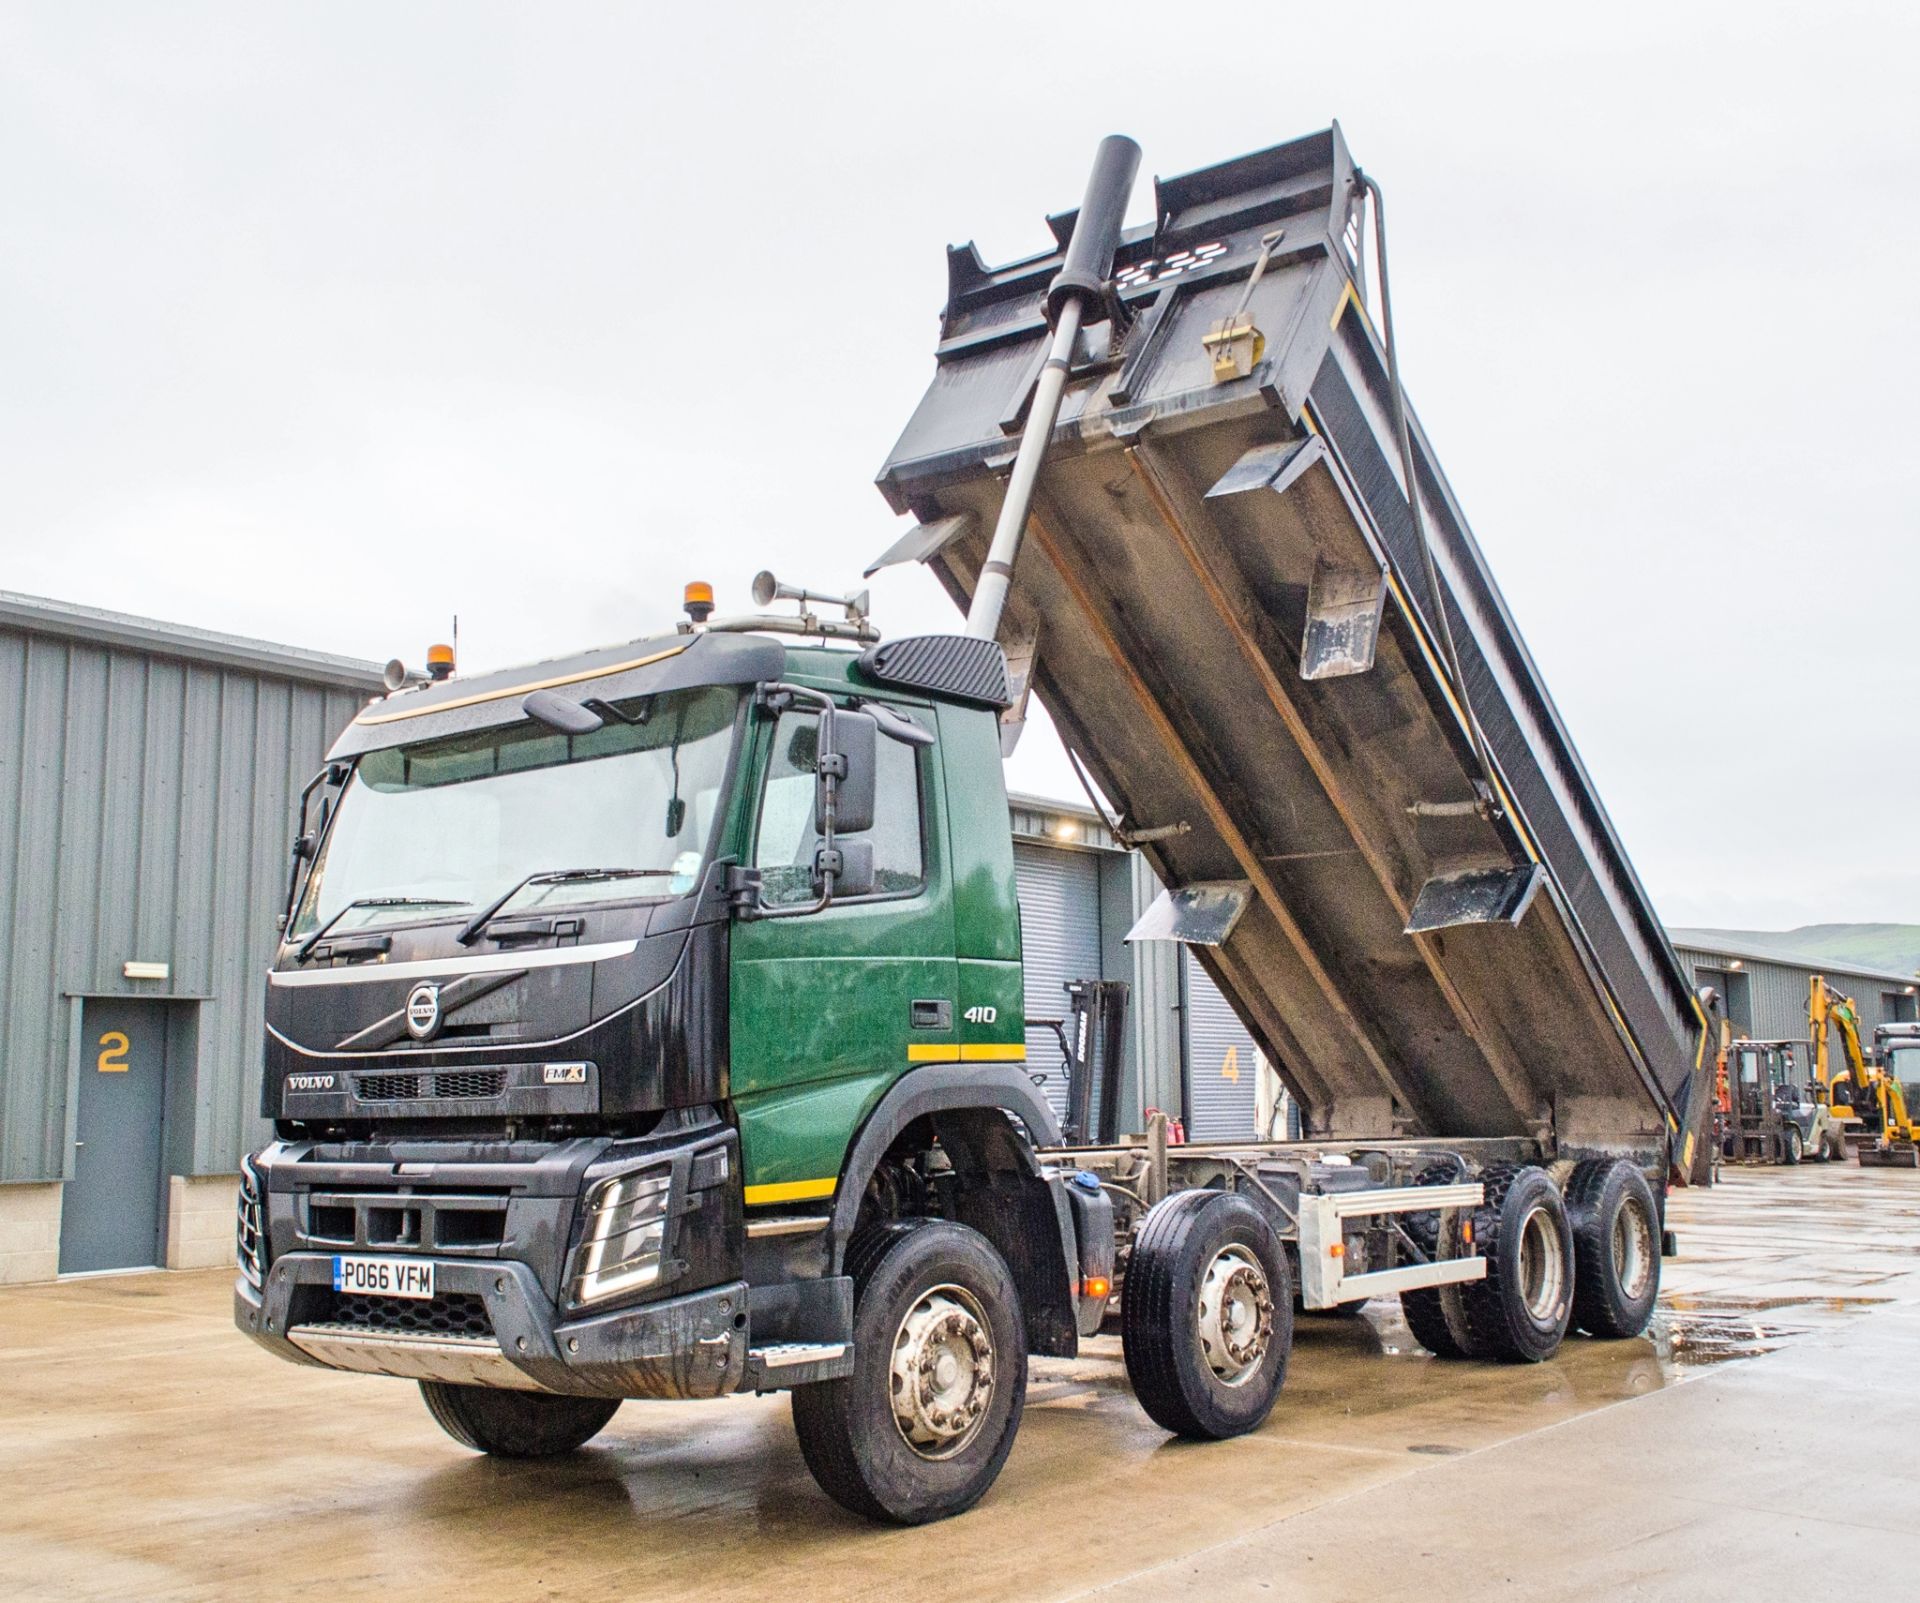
(423, 1011)
(309, 1082)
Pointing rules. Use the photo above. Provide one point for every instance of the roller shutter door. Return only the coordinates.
(1060, 935)
(1223, 1073)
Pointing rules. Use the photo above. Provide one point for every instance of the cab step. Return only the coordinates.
(779, 1365)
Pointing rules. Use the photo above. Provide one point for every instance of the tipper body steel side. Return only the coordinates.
(1227, 613)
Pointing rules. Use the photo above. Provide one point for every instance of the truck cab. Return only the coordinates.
(615, 995)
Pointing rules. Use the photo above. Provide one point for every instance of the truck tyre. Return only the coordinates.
(516, 1424)
(1433, 1313)
(1206, 1315)
(1792, 1148)
(1520, 1312)
(921, 1427)
(1616, 1247)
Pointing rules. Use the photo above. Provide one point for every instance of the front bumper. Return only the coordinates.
(688, 1346)
(506, 1227)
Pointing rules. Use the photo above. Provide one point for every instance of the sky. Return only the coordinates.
(324, 323)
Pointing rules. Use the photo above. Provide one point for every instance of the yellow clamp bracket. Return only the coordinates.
(1233, 342)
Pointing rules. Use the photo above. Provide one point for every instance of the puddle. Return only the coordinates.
(1692, 1303)
(1691, 1330)
(1692, 1340)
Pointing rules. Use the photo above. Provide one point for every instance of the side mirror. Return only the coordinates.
(851, 864)
(852, 762)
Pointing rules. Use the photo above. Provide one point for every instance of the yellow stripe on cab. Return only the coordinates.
(792, 1191)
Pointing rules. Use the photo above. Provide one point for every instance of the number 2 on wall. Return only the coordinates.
(113, 1060)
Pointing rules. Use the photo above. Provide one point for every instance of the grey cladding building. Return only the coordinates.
(1764, 993)
(148, 773)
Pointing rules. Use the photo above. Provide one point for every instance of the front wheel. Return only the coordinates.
(1792, 1148)
(516, 1424)
(1206, 1315)
(921, 1427)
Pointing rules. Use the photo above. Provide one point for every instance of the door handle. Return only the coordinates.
(932, 1015)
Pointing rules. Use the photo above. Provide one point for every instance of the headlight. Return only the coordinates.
(626, 1233)
(250, 1242)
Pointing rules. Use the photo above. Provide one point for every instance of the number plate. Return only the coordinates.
(383, 1277)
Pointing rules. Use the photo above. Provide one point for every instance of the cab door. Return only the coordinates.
(828, 1009)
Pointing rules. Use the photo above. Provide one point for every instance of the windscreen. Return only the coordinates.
(443, 828)
(1903, 1064)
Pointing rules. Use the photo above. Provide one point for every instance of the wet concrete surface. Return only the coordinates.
(1760, 1443)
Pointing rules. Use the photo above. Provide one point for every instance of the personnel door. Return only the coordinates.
(110, 1216)
(828, 1008)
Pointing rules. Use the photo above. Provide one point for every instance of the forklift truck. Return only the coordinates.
(1769, 1114)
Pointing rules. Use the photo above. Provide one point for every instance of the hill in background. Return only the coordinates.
(1891, 948)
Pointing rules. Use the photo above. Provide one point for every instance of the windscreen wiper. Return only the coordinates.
(313, 940)
(556, 876)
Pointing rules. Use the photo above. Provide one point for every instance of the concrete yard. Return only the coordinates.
(1761, 1445)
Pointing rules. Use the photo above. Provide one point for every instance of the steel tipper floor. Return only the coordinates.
(148, 1451)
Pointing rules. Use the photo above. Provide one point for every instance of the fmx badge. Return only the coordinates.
(566, 1074)
(423, 1011)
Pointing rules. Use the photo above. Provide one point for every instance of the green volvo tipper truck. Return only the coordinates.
(648, 1023)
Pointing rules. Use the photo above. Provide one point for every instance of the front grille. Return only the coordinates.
(467, 1083)
(453, 1313)
(470, 1083)
(428, 1219)
(388, 1087)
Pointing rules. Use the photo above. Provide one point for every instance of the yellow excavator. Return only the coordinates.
(1860, 1096)
(1847, 1090)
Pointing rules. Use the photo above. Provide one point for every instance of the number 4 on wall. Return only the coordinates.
(113, 1060)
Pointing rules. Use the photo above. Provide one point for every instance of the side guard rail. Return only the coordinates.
(1324, 1282)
